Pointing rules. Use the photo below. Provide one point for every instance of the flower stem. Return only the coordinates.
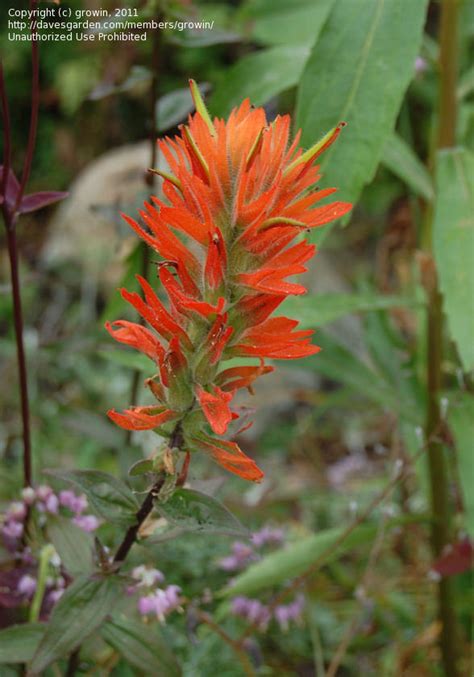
(46, 553)
(146, 507)
(441, 533)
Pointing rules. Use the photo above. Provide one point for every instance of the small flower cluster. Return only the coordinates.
(259, 614)
(243, 554)
(238, 195)
(44, 501)
(253, 610)
(154, 600)
(19, 577)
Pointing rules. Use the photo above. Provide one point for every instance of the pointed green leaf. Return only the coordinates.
(284, 564)
(453, 242)
(18, 643)
(358, 72)
(80, 611)
(141, 646)
(191, 510)
(110, 497)
(298, 557)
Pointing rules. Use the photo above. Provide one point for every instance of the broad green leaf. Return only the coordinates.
(318, 549)
(259, 76)
(284, 564)
(141, 646)
(402, 161)
(80, 611)
(453, 242)
(192, 510)
(173, 107)
(18, 643)
(358, 72)
(316, 310)
(74, 545)
(461, 420)
(110, 497)
(279, 22)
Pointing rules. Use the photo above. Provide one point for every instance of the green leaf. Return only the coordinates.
(74, 545)
(358, 72)
(341, 365)
(18, 643)
(141, 646)
(402, 161)
(282, 565)
(141, 467)
(110, 497)
(298, 557)
(259, 76)
(461, 420)
(80, 611)
(191, 510)
(279, 22)
(173, 107)
(453, 242)
(316, 310)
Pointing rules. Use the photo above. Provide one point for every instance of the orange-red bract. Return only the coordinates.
(237, 195)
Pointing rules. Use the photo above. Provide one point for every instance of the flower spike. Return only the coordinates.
(236, 199)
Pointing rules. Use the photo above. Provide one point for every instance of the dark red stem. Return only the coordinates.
(22, 370)
(176, 442)
(10, 215)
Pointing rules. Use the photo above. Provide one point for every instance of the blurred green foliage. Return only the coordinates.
(375, 66)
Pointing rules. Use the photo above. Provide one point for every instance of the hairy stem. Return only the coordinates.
(176, 442)
(441, 534)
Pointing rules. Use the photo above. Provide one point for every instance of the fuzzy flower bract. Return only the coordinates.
(229, 230)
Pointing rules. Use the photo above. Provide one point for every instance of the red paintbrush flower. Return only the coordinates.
(237, 196)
